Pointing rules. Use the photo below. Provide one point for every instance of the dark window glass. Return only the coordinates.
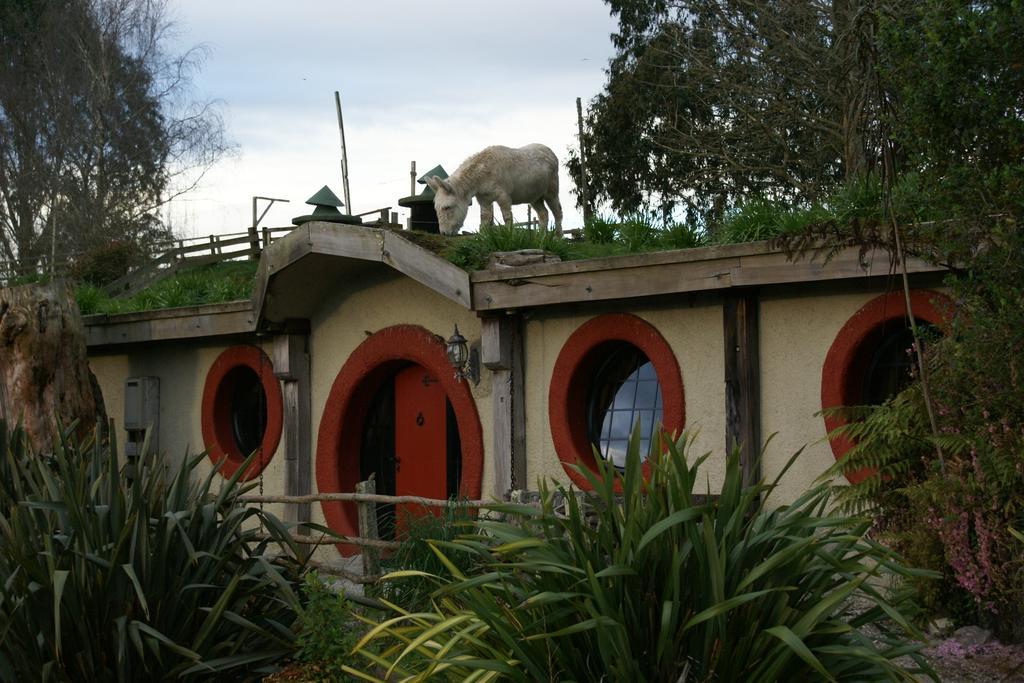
(625, 391)
(377, 454)
(248, 410)
(890, 367)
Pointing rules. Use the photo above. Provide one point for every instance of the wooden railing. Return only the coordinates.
(366, 499)
(167, 258)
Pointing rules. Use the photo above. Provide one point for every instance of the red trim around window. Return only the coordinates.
(216, 410)
(341, 426)
(839, 386)
(574, 369)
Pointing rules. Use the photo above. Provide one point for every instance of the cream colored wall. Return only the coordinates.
(382, 299)
(692, 326)
(798, 325)
(182, 369)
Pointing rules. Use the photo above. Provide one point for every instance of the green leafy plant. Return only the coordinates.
(600, 230)
(123, 574)
(416, 553)
(328, 632)
(653, 582)
(680, 236)
(218, 283)
(471, 251)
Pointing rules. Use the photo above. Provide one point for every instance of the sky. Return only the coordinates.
(428, 81)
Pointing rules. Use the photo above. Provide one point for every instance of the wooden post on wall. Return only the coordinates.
(501, 349)
(743, 380)
(291, 366)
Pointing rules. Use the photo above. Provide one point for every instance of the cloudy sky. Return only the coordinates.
(426, 81)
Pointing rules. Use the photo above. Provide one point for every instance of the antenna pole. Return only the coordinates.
(344, 153)
(583, 165)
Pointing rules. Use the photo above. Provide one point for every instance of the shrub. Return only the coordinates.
(328, 632)
(658, 586)
(412, 592)
(956, 513)
(111, 574)
(471, 251)
(105, 263)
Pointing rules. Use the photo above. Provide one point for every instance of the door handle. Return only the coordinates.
(419, 419)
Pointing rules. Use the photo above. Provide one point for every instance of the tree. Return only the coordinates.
(45, 381)
(712, 102)
(738, 98)
(93, 135)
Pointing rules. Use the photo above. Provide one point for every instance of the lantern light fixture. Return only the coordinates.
(465, 360)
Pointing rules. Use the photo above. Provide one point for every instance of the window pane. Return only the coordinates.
(625, 397)
(622, 424)
(646, 371)
(646, 395)
(624, 392)
(617, 453)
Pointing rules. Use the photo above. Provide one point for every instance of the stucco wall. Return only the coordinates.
(182, 369)
(798, 326)
(692, 327)
(381, 299)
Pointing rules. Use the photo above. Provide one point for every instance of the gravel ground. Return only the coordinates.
(988, 663)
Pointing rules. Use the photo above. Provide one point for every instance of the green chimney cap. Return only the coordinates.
(322, 211)
(324, 197)
(437, 170)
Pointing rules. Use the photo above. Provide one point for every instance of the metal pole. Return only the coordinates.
(412, 179)
(583, 164)
(344, 153)
(254, 235)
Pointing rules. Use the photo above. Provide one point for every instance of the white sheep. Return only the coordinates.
(528, 175)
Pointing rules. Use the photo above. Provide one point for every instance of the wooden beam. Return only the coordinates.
(426, 267)
(291, 366)
(743, 380)
(691, 270)
(502, 342)
(192, 322)
(495, 343)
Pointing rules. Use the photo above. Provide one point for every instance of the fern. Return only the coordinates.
(892, 441)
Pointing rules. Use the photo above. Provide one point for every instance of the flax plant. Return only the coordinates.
(123, 574)
(652, 582)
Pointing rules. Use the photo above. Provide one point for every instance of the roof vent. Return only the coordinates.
(326, 205)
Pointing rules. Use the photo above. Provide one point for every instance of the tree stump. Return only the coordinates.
(45, 381)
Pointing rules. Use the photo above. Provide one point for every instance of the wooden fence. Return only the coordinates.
(366, 499)
(168, 258)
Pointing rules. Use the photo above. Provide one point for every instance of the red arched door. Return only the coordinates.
(421, 438)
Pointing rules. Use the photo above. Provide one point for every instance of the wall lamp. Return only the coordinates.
(466, 361)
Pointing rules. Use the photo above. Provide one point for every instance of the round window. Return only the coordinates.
(870, 359)
(625, 394)
(888, 362)
(242, 410)
(615, 372)
(247, 403)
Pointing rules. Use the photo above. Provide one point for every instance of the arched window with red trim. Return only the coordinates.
(242, 410)
(615, 371)
(870, 359)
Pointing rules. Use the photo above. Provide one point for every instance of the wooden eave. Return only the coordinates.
(670, 272)
(298, 271)
(189, 322)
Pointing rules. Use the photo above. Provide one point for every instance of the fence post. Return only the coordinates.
(368, 526)
(266, 237)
